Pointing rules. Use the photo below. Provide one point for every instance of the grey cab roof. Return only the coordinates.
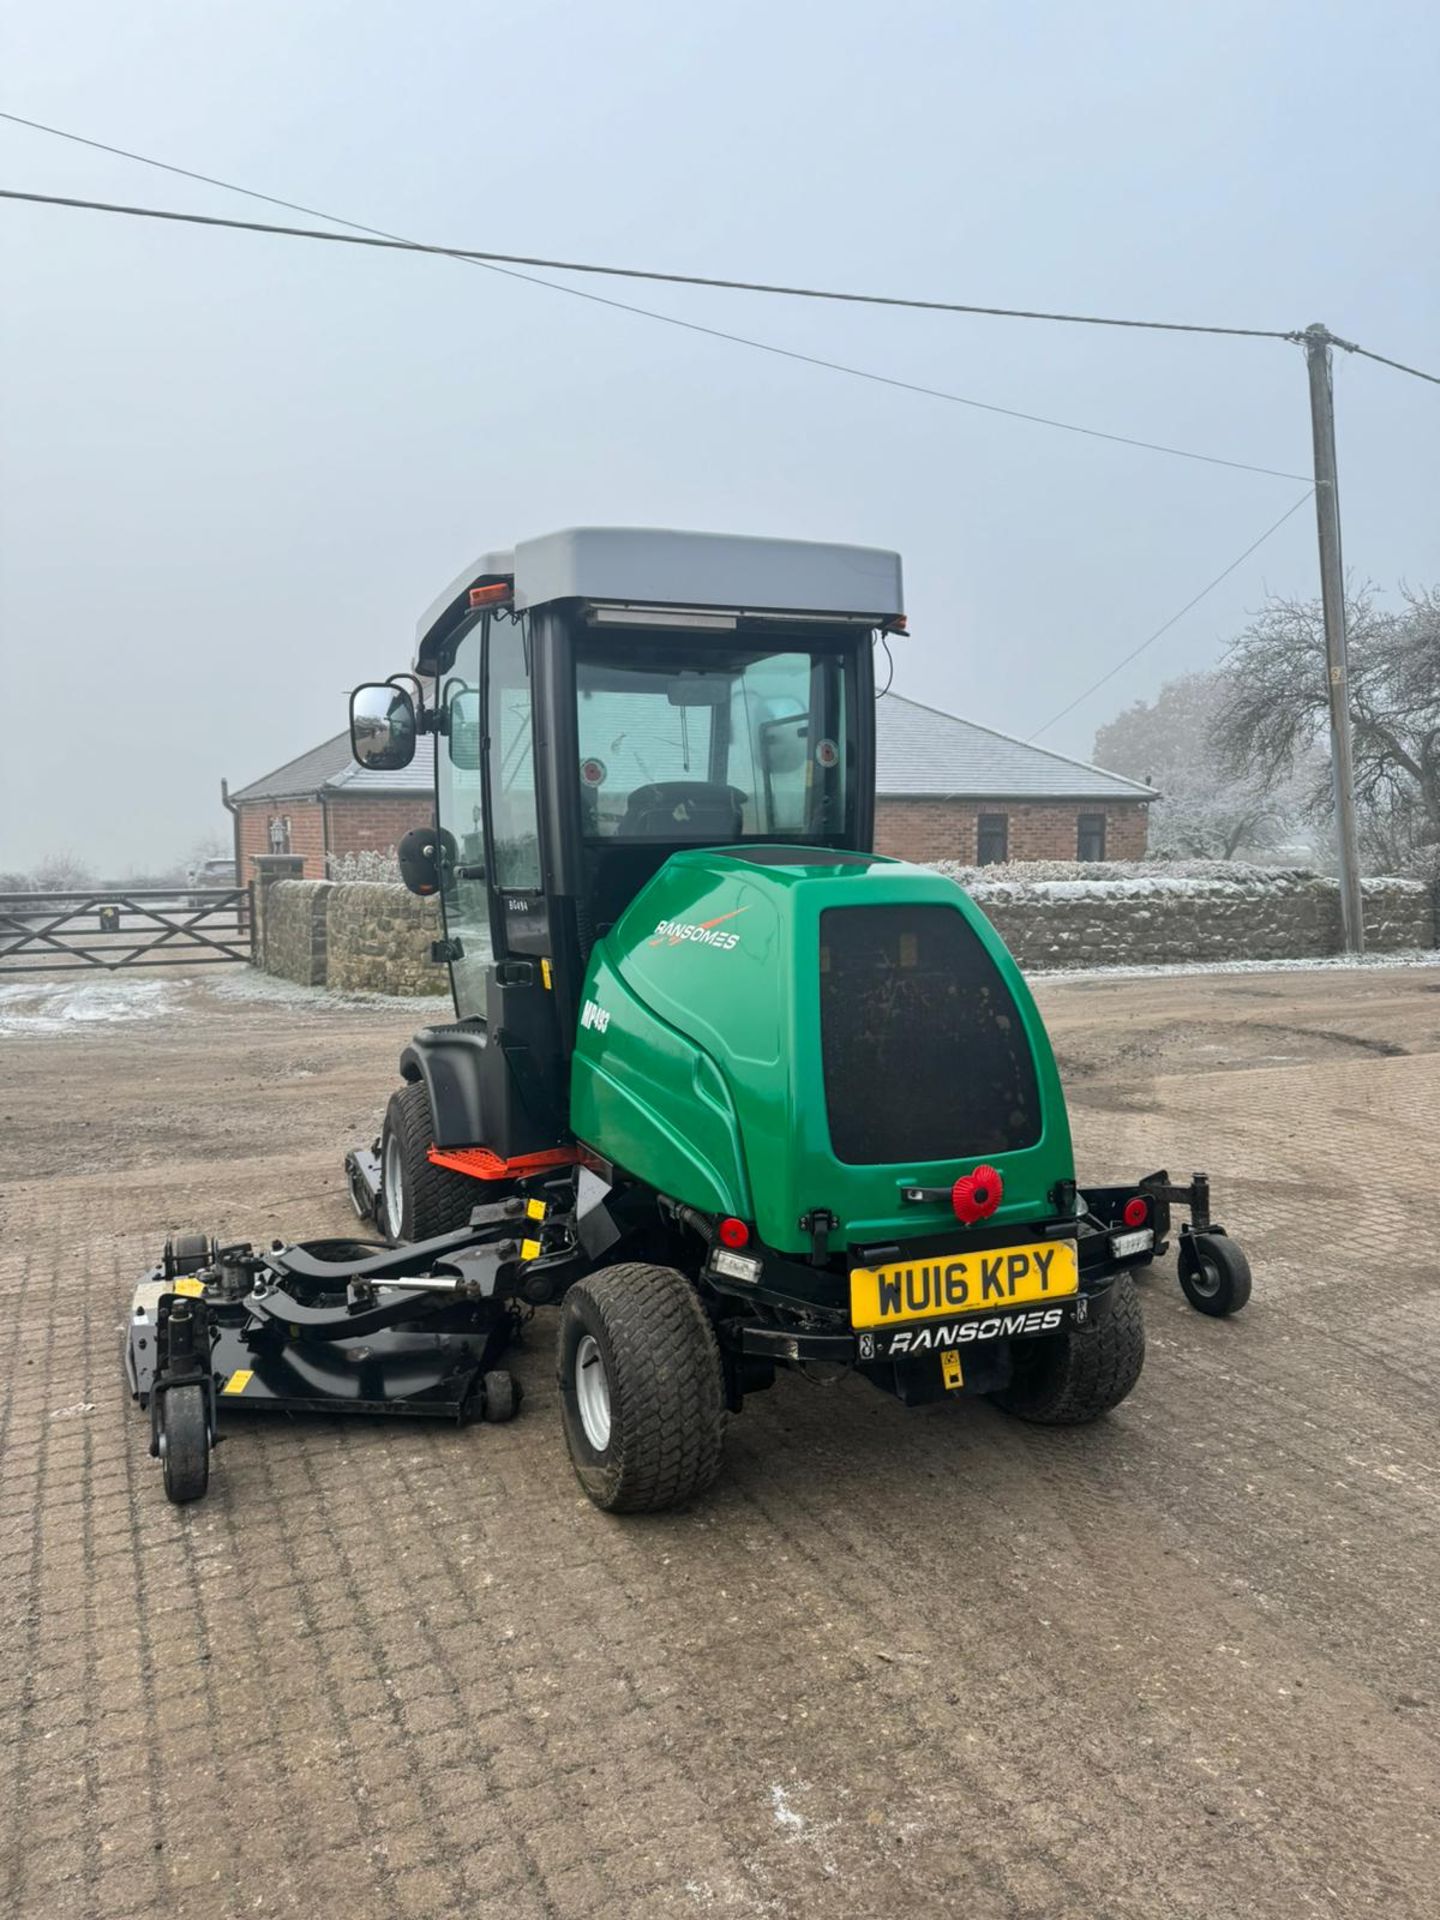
(665, 567)
(921, 753)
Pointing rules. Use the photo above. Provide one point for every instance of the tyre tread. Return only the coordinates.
(1096, 1369)
(667, 1367)
(440, 1199)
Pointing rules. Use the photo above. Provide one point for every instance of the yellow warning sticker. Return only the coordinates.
(194, 1289)
(242, 1377)
(950, 1370)
(535, 1209)
(546, 976)
(529, 1249)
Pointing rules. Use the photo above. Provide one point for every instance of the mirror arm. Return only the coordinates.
(425, 721)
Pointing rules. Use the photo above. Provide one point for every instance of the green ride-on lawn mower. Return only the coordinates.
(734, 1092)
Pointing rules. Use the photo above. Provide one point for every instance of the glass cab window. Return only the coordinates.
(750, 743)
(514, 825)
(460, 810)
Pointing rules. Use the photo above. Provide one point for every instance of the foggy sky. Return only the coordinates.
(234, 471)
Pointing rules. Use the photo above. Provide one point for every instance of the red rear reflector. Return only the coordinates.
(485, 596)
(734, 1233)
(1137, 1212)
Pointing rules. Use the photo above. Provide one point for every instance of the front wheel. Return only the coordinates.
(1068, 1379)
(1214, 1273)
(185, 1443)
(641, 1388)
(418, 1200)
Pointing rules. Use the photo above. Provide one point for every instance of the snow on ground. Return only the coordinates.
(1319, 963)
(65, 1006)
(249, 984)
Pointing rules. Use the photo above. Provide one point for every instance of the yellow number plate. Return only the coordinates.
(938, 1286)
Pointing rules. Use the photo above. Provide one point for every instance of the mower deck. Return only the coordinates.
(419, 1331)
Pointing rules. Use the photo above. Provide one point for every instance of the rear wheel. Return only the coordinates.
(641, 1388)
(418, 1199)
(1066, 1379)
(184, 1443)
(1214, 1273)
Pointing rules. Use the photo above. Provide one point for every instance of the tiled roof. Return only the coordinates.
(921, 753)
(331, 768)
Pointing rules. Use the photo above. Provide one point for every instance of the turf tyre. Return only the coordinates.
(185, 1443)
(665, 1405)
(431, 1199)
(1068, 1379)
(1214, 1274)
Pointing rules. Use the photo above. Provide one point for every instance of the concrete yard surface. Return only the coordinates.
(1185, 1662)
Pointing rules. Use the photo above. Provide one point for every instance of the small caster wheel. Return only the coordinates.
(500, 1397)
(1214, 1273)
(184, 1443)
(188, 1253)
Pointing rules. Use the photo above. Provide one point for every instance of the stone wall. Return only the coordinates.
(379, 939)
(370, 937)
(294, 929)
(1157, 921)
(359, 936)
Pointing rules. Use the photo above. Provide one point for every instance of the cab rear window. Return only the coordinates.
(924, 1051)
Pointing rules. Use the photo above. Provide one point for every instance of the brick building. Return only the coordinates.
(324, 804)
(946, 789)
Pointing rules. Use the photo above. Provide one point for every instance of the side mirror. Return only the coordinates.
(382, 727)
(423, 854)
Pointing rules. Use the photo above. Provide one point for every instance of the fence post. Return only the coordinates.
(269, 867)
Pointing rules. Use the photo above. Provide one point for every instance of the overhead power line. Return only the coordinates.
(1349, 346)
(378, 234)
(1136, 652)
(685, 279)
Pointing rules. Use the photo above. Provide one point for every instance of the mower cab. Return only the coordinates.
(736, 1091)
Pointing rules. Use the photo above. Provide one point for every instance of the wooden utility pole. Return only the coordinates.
(1332, 600)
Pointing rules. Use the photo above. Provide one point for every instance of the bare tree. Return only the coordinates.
(1276, 713)
(61, 873)
(1205, 812)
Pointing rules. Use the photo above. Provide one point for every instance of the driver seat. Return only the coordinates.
(702, 810)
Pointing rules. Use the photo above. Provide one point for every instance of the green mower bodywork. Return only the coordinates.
(735, 1093)
(701, 1068)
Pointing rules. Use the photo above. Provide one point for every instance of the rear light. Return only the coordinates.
(1137, 1212)
(734, 1233)
(975, 1196)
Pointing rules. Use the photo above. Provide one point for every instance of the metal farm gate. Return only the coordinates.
(115, 927)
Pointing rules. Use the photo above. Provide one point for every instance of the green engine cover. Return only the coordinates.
(746, 1047)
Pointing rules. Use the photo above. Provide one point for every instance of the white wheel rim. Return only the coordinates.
(392, 1187)
(592, 1392)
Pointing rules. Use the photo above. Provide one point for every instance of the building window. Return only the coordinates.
(280, 833)
(992, 839)
(1090, 837)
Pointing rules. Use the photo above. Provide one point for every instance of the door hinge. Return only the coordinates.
(443, 950)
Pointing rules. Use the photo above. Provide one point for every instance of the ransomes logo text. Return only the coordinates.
(700, 933)
(994, 1327)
